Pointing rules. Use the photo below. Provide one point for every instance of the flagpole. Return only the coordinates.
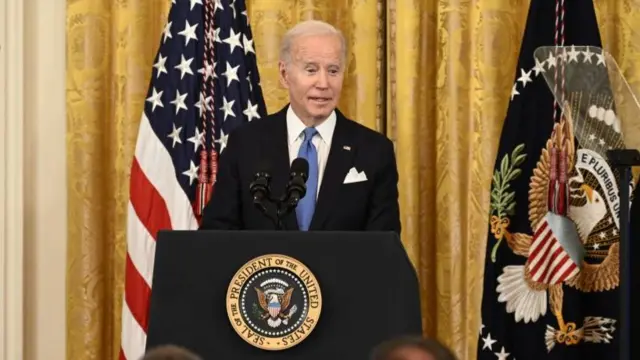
(624, 160)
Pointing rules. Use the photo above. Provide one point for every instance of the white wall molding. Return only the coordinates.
(45, 185)
(11, 178)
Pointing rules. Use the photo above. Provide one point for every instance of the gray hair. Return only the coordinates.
(306, 28)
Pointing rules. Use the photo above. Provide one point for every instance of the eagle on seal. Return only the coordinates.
(274, 306)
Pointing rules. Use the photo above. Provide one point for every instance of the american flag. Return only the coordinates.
(204, 84)
(549, 260)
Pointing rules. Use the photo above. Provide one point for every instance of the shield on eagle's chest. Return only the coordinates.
(274, 308)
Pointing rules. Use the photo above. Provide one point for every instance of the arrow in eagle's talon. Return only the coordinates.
(571, 337)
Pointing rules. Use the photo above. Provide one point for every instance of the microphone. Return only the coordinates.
(260, 189)
(297, 187)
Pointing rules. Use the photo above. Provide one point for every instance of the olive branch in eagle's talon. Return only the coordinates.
(503, 202)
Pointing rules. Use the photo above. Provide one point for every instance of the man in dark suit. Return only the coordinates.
(352, 183)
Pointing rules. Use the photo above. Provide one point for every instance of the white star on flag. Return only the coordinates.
(222, 141)
(587, 56)
(233, 40)
(552, 60)
(192, 173)
(179, 101)
(175, 135)
(251, 111)
(231, 73)
(539, 68)
(155, 99)
(248, 44)
(194, 2)
(227, 107)
(573, 54)
(184, 67)
(502, 355)
(514, 91)
(218, 5)
(488, 342)
(207, 71)
(525, 77)
(159, 65)
(189, 32)
(197, 139)
(166, 34)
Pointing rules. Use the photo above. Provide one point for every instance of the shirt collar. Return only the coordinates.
(295, 127)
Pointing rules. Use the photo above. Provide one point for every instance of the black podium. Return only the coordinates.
(369, 291)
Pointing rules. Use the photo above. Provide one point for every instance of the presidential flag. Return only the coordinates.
(551, 273)
(204, 84)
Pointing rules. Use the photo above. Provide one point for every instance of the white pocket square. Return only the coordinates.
(354, 176)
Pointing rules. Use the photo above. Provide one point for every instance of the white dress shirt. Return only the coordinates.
(322, 140)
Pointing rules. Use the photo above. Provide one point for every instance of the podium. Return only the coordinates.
(366, 286)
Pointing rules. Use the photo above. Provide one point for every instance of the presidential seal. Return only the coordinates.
(274, 302)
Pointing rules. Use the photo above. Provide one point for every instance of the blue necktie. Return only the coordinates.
(307, 204)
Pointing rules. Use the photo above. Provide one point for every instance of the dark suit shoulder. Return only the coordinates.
(367, 135)
(256, 128)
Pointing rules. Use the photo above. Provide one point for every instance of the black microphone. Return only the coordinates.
(297, 187)
(260, 188)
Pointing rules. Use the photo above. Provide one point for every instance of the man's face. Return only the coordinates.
(314, 76)
(411, 353)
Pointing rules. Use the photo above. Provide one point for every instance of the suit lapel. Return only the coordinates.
(338, 164)
(276, 147)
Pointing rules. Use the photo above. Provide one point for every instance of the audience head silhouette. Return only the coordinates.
(412, 348)
(170, 352)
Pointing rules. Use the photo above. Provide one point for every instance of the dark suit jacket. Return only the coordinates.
(371, 205)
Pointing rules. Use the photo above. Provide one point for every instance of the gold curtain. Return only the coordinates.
(435, 76)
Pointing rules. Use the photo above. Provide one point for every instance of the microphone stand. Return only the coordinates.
(260, 205)
(281, 211)
(624, 160)
(261, 192)
(283, 207)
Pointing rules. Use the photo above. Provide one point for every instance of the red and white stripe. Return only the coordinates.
(548, 262)
(156, 202)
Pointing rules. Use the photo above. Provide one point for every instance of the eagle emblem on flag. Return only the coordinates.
(574, 241)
